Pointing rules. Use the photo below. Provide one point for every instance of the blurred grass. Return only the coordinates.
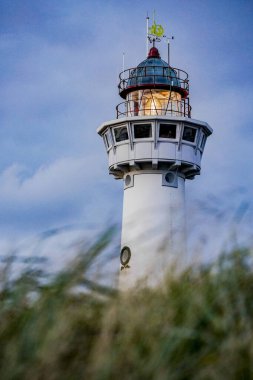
(196, 325)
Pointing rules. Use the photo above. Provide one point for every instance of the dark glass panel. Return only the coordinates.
(120, 134)
(142, 131)
(189, 134)
(203, 141)
(107, 140)
(168, 131)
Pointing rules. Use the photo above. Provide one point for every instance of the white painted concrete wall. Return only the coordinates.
(153, 227)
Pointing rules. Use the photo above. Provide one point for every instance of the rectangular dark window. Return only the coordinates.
(120, 134)
(203, 141)
(107, 140)
(189, 134)
(168, 131)
(142, 131)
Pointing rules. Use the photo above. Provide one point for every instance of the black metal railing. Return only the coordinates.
(153, 75)
(172, 108)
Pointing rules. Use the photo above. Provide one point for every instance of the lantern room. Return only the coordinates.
(154, 88)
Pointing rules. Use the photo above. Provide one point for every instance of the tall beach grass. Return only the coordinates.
(196, 325)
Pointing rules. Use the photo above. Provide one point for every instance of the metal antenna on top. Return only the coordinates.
(147, 37)
(168, 42)
(123, 64)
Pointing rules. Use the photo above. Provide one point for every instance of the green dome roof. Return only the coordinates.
(152, 73)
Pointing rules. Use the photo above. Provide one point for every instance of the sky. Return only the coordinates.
(59, 69)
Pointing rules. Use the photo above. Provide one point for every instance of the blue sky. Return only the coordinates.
(59, 68)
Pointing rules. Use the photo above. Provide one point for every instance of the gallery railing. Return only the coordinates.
(172, 108)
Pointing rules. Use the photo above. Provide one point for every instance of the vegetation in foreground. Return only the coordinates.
(198, 325)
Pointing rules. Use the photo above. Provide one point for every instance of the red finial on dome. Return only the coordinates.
(153, 53)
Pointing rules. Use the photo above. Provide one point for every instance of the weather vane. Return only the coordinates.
(155, 33)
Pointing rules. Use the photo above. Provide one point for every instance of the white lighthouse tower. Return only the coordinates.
(154, 146)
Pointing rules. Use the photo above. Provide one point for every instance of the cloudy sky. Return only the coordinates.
(59, 73)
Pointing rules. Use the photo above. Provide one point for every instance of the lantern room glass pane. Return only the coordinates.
(168, 131)
(153, 102)
(142, 131)
(120, 134)
(189, 134)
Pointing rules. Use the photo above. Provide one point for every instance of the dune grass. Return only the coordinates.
(196, 325)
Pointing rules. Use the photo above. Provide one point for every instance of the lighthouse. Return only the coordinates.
(153, 145)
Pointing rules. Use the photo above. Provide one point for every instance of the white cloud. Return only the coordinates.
(59, 180)
(70, 190)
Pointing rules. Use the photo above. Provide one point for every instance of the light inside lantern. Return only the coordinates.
(153, 102)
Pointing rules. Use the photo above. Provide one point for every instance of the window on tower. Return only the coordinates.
(203, 141)
(142, 131)
(125, 256)
(120, 134)
(107, 140)
(189, 134)
(168, 131)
